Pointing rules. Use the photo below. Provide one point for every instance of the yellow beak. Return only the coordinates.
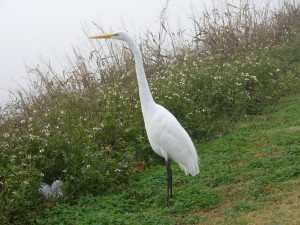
(103, 36)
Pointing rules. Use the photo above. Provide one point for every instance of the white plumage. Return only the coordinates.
(169, 140)
(166, 136)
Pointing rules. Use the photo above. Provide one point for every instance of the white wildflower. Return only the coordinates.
(55, 190)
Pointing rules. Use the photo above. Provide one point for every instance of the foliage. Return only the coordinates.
(85, 126)
(250, 170)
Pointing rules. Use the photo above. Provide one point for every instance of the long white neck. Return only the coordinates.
(144, 90)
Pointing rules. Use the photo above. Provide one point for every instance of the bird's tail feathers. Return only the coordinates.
(192, 168)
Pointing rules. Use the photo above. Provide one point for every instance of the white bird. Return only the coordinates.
(166, 136)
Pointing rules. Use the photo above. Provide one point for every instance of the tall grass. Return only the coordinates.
(247, 27)
(85, 127)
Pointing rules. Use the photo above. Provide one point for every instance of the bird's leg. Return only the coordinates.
(169, 181)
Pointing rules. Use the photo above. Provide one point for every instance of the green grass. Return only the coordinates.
(250, 176)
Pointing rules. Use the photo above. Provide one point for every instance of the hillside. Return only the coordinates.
(250, 176)
(232, 86)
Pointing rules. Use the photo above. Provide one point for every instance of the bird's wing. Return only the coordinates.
(169, 139)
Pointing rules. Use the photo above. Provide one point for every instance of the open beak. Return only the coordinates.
(103, 36)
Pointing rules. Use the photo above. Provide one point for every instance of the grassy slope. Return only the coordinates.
(250, 176)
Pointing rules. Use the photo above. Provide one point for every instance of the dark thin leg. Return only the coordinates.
(169, 181)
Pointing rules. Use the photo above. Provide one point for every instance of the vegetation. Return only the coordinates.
(251, 173)
(85, 126)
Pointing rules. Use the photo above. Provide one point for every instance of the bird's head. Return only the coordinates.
(119, 35)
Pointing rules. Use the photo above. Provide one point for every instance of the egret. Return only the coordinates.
(166, 136)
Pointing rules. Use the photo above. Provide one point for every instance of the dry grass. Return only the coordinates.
(282, 208)
(244, 27)
(227, 31)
